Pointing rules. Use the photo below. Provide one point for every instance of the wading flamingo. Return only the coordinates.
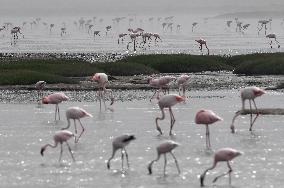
(249, 93)
(222, 155)
(76, 113)
(120, 142)
(202, 42)
(206, 117)
(40, 85)
(160, 83)
(164, 148)
(14, 33)
(96, 33)
(60, 137)
(181, 81)
(102, 79)
(168, 101)
(194, 24)
(272, 36)
(55, 98)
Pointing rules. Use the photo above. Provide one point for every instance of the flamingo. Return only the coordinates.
(223, 154)
(63, 31)
(121, 36)
(40, 85)
(50, 27)
(168, 101)
(206, 117)
(96, 33)
(193, 25)
(229, 22)
(160, 83)
(262, 23)
(102, 79)
(108, 28)
(60, 137)
(164, 148)
(181, 81)
(249, 93)
(272, 36)
(55, 98)
(14, 33)
(201, 43)
(76, 113)
(121, 142)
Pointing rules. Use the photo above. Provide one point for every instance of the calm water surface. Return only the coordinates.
(25, 127)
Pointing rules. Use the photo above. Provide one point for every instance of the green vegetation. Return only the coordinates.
(29, 71)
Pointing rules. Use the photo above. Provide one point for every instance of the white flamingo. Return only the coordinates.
(121, 142)
(164, 148)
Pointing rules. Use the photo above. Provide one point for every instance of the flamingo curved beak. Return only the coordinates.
(41, 151)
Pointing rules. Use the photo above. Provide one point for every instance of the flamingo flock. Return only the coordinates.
(148, 34)
(203, 116)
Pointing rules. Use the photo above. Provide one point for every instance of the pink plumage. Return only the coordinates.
(207, 117)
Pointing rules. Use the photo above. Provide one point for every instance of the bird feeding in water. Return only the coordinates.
(222, 155)
(163, 149)
(249, 93)
(168, 101)
(121, 142)
(60, 137)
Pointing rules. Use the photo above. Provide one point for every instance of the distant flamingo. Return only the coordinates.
(121, 36)
(63, 31)
(168, 101)
(164, 148)
(96, 33)
(249, 93)
(60, 137)
(272, 36)
(108, 28)
(120, 142)
(102, 79)
(262, 23)
(223, 154)
(14, 33)
(193, 26)
(55, 98)
(76, 113)
(229, 22)
(206, 117)
(181, 81)
(50, 27)
(201, 43)
(160, 83)
(40, 85)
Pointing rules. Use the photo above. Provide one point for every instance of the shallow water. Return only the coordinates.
(220, 38)
(25, 127)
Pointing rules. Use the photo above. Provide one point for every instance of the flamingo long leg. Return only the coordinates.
(224, 174)
(126, 155)
(172, 119)
(83, 129)
(175, 162)
(165, 163)
(70, 151)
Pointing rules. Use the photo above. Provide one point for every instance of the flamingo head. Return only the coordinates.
(180, 98)
(259, 92)
(45, 100)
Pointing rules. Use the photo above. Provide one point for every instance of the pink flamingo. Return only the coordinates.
(223, 154)
(121, 36)
(160, 83)
(102, 79)
(249, 93)
(201, 43)
(273, 36)
(168, 101)
(55, 98)
(164, 148)
(60, 137)
(76, 113)
(40, 85)
(121, 142)
(206, 117)
(181, 81)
